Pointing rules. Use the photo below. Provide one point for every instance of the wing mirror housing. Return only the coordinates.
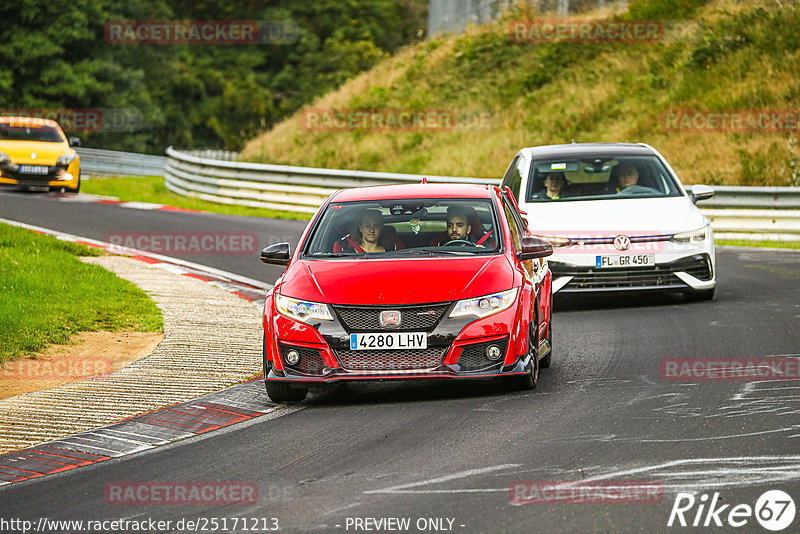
(277, 254)
(533, 248)
(701, 192)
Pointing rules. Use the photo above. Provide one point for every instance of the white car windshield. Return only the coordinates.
(600, 178)
(405, 227)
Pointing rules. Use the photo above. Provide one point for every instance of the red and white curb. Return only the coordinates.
(84, 198)
(242, 286)
(217, 410)
(213, 411)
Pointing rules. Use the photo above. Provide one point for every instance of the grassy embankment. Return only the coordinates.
(763, 244)
(723, 55)
(48, 294)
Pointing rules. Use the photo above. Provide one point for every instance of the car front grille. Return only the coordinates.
(473, 357)
(367, 318)
(588, 278)
(36, 178)
(391, 360)
(311, 362)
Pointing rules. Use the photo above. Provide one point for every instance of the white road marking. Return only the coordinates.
(713, 438)
(341, 508)
(721, 472)
(403, 488)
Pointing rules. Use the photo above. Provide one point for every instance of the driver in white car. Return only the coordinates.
(626, 175)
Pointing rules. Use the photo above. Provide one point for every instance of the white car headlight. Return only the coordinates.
(557, 242)
(65, 160)
(4, 158)
(695, 236)
(486, 305)
(303, 310)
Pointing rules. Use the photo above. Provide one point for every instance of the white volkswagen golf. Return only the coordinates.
(618, 217)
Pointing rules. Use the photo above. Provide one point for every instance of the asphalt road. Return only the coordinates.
(105, 222)
(444, 455)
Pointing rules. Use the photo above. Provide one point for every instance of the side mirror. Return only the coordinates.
(701, 192)
(74, 141)
(533, 247)
(278, 254)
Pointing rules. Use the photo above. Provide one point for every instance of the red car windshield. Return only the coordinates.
(406, 226)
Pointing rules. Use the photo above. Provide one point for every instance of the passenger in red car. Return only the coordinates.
(369, 235)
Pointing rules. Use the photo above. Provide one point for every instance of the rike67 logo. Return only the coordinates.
(774, 510)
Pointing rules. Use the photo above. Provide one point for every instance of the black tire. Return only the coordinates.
(279, 391)
(697, 296)
(529, 380)
(545, 362)
(282, 392)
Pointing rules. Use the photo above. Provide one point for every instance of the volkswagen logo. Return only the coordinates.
(33, 155)
(390, 318)
(622, 242)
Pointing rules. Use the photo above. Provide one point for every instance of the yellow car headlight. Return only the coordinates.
(65, 160)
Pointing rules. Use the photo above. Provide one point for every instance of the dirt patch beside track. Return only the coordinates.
(90, 355)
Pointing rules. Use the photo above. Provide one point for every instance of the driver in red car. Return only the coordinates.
(458, 226)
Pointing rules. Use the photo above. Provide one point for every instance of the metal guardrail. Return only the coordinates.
(735, 212)
(279, 187)
(751, 197)
(114, 163)
(755, 213)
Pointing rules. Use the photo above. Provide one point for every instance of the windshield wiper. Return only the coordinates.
(337, 255)
(428, 252)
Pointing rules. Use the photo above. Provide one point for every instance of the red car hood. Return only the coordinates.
(396, 281)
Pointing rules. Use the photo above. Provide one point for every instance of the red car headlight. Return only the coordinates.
(485, 305)
(302, 310)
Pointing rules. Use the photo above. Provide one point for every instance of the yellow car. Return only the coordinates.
(35, 154)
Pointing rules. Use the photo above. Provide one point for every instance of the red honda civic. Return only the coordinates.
(422, 281)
